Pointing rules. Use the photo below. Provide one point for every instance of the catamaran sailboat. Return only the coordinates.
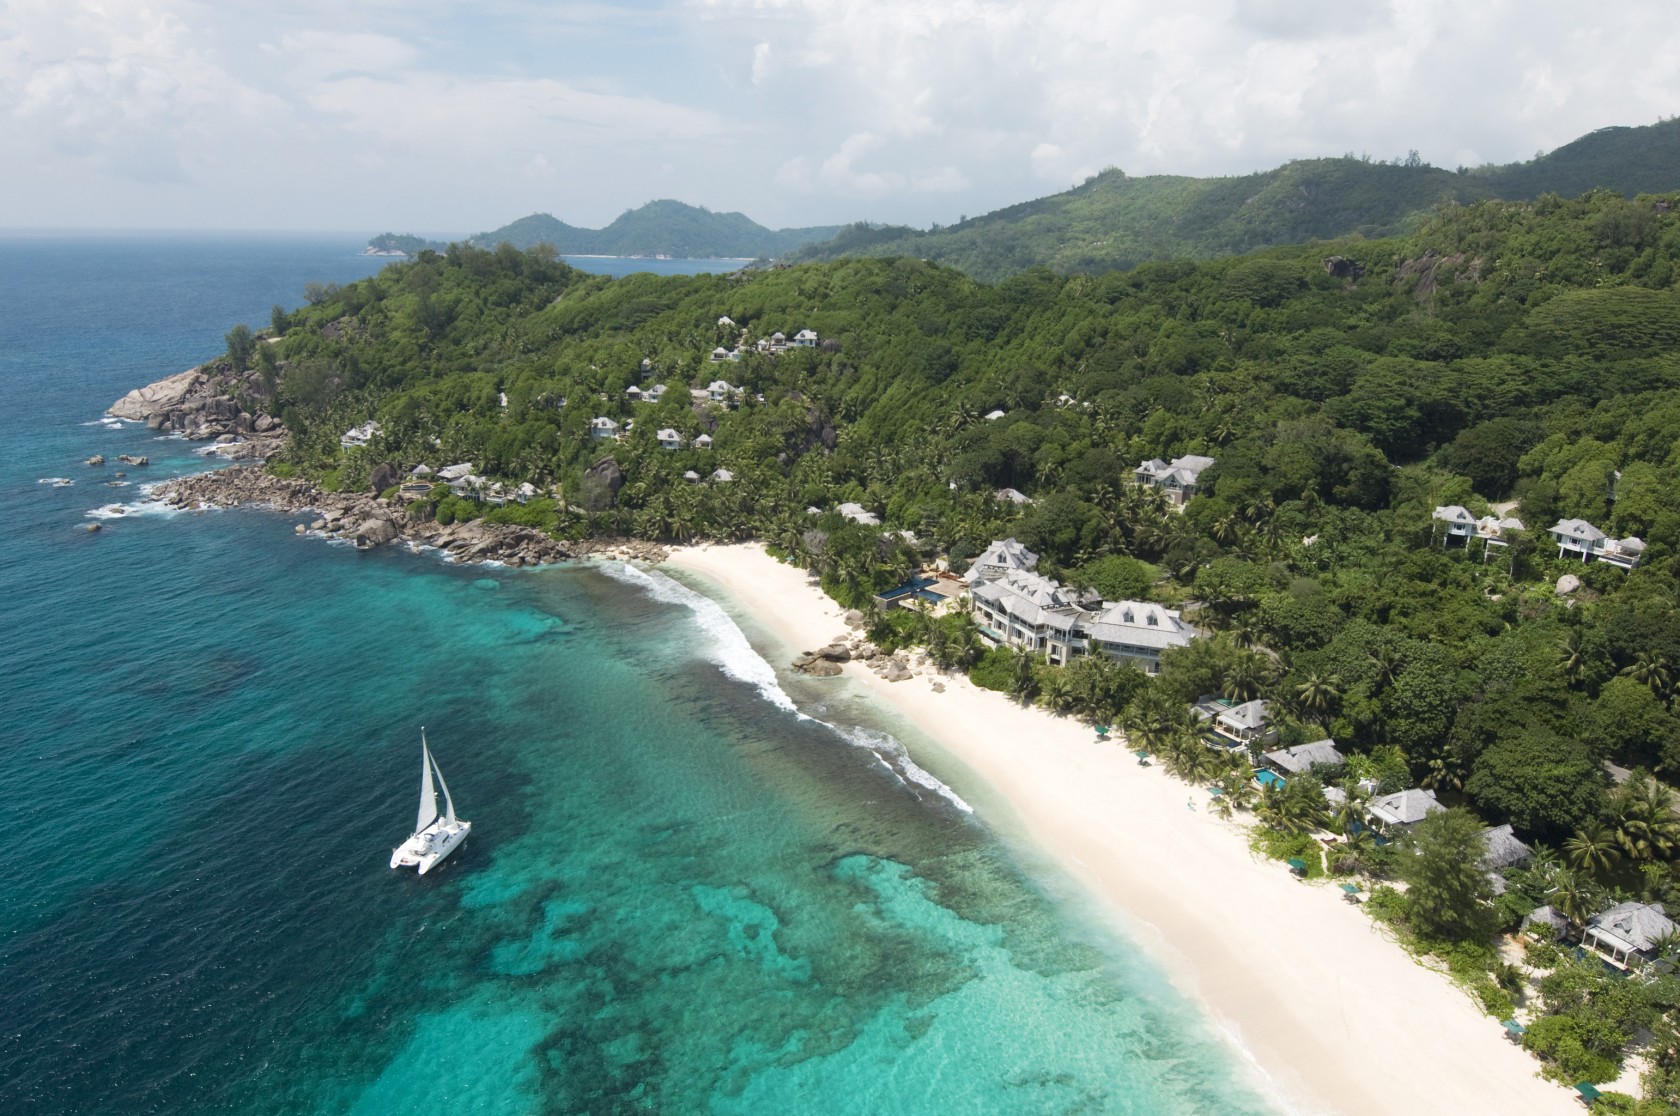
(433, 838)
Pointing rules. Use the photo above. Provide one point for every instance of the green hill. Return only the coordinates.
(663, 227)
(1114, 222)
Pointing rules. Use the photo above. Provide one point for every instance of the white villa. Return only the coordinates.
(1403, 808)
(1494, 530)
(653, 394)
(722, 476)
(669, 439)
(1013, 496)
(857, 513)
(999, 558)
(1177, 478)
(721, 391)
(704, 441)
(805, 339)
(993, 416)
(1578, 537)
(721, 354)
(1237, 725)
(1627, 934)
(1014, 606)
(602, 427)
(359, 435)
(1302, 758)
(1460, 523)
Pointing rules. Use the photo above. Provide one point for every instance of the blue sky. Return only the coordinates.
(445, 117)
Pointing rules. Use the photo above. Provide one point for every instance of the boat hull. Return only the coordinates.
(427, 848)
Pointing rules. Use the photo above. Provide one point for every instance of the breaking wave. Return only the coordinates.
(728, 647)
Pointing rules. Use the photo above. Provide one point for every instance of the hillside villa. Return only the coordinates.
(1177, 478)
(1578, 538)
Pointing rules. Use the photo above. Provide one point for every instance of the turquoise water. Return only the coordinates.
(681, 895)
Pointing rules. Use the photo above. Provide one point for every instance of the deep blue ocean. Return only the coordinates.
(680, 895)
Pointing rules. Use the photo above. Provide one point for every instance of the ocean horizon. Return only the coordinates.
(694, 883)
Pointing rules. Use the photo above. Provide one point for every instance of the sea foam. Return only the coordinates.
(730, 649)
(727, 645)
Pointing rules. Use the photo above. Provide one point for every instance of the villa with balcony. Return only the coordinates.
(1016, 607)
(1576, 538)
(1177, 478)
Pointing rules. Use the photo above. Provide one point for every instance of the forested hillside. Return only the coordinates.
(1501, 352)
(1113, 221)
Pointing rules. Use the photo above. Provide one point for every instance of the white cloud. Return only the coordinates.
(445, 115)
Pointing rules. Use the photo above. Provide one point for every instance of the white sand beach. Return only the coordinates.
(1336, 1015)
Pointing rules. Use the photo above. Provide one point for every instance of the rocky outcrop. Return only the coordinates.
(369, 522)
(159, 398)
(203, 404)
(1340, 267)
(385, 476)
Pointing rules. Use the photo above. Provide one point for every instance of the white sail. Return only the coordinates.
(428, 794)
(448, 802)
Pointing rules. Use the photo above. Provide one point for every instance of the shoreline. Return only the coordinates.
(1330, 1012)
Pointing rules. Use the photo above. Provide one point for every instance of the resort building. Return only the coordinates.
(1015, 606)
(1302, 758)
(722, 476)
(721, 391)
(1497, 531)
(721, 354)
(1627, 934)
(993, 416)
(1578, 538)
(669, 439)
(1013, 496)
(359, 435)
(704, 441)
(1236, 725)
(1177, 478)
(857, 513)
(805, 339)
(999, 558)
(1136, 632)
(1546, 923)
(601, 428)
(1504, 852)
(1461, 525)
(653, 394)
(1396, 811)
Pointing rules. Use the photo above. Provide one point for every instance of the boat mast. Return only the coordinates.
(428, 794)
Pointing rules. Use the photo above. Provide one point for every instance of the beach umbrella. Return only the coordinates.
(1215, 791)
(1141, 753)
(1588, 1091)
(1102, 730)
(1351, 889)
(1297, 865)
(1516, 1029)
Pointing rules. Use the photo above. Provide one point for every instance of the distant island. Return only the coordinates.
(659, 228)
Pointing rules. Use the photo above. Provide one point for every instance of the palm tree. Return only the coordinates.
(1245, 678)
(1643, 824)
(1023, 683)
(1226, 530)
(1572, 657)
(1386, 662)
(1653, 670)
(1356, 852)
(1444, 771)
(1593, 849)
(1349, 814)
(1317, 695)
